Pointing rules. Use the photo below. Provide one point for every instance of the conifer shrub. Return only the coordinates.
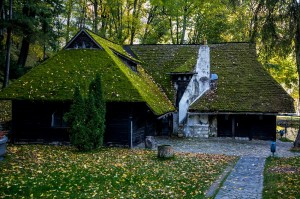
(87, 118)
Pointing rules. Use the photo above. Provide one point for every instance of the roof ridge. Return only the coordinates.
(112, 46)
(234, 42)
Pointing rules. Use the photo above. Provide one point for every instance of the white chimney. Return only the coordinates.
(199, 83)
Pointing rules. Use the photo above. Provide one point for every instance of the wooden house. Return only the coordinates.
(191, 90)
(42, 96)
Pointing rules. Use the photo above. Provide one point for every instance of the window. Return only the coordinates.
(57, 120)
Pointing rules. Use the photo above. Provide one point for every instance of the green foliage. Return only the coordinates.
(76, 118)
(87, 118)
(281, 178)
(62, 172)
(96, 111)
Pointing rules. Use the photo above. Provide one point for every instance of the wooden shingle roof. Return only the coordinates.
(55, 79)
(243, 84)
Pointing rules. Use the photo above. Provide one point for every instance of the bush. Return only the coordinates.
(87, 118)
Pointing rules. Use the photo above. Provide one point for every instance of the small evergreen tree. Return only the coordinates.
(76, 119)
(95, 90)
(87, 118)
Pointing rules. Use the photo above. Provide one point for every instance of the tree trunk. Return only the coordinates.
(150, 18)
(254, 21)
(134, 19)
(96, 16)
(297, 52)
(177, 29)
(184, 24)
(69, 12)
(24, 51)
(7, 58)
(165, 151)
(27, 11)
(171, 30)
(1, 18)
(8, 46)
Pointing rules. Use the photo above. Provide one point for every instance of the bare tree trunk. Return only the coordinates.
(96, 16)
(150, 18)
(69, 12)
(24, 51)
(297, 50)
(1, 18)
(8, 45)
(27, 11)
(184, 24)
(254, 22)
(177, 29)
(134, 18)
(171, 31)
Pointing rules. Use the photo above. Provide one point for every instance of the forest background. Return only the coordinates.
(34, 30)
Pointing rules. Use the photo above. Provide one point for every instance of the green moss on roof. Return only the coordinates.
(56, 78)
(187, 67)
(110, 45)
(160, 60)
(243, 84)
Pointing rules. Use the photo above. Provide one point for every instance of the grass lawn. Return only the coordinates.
(40, 171)
(282, 178)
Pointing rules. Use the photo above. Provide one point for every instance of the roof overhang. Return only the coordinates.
(165, 115)
(187, 73)
(231, 113)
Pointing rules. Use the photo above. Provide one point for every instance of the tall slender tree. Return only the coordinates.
(8, 47)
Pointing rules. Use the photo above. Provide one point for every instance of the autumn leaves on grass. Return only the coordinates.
(52, 171)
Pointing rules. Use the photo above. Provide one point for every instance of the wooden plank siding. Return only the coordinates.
(251, 126)
(126, 122)
(32, 122)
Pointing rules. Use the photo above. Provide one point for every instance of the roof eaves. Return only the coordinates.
(126, 57)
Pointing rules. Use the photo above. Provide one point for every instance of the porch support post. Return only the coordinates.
(233, 126)
(130, 132)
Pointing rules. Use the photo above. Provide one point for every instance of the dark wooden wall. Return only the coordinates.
(32, 122)
(126, 120)
(252, 126)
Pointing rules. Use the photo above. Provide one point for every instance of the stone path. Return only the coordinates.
(245, 180)
(227, 146)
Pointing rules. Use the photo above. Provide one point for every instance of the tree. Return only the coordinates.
(98, 112)
(76, 118)
(8, 47)
(87, 118)
(280, 31)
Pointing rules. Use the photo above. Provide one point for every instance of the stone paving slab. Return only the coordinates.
(245, 180)
(227, 146)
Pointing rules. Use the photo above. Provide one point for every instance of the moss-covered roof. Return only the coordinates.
(243, 84)
(160, 60)
(56, 78)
